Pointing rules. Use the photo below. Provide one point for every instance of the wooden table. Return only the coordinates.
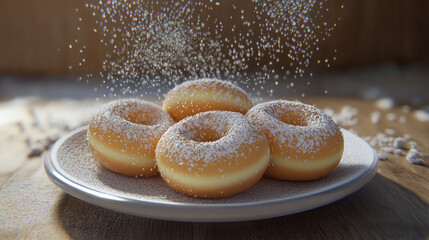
(394, 205)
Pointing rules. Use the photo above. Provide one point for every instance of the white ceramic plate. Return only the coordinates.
(71, 166)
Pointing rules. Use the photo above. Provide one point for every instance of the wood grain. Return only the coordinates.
(394, 205)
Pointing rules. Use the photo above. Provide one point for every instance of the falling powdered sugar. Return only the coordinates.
(152, 45)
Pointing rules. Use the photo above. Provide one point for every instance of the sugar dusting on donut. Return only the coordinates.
(309, 137)
(113, 116)
(123, 135)
(210, 84)
(202, 95)
(210, 151)
(305, 143)
(212, 154)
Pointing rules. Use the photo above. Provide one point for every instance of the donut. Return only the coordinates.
(192, 97)
(123, 135)
(305, 143)
(212, 154)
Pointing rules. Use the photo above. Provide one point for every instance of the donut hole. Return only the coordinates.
(295, 121)
(140, 117)
(203, 135)
(295, 118)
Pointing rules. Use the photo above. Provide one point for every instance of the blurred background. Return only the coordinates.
(380, 47)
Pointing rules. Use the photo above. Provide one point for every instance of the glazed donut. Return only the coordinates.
(212, 154)
(202, 95)
(305, 143)
(123, 135)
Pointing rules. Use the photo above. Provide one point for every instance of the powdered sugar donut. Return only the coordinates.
(305, 143)
(212, 154)
(123, 135)
(202, 95)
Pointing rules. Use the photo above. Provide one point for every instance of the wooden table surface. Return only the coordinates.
(394, 205)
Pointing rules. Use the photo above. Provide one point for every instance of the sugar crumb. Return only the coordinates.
(385, 103)
(422, 115)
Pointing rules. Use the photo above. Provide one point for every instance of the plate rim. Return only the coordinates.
(181, 211)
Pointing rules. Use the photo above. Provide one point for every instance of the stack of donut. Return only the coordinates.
(209, 141)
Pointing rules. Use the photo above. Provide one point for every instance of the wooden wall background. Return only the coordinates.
(34, 35)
